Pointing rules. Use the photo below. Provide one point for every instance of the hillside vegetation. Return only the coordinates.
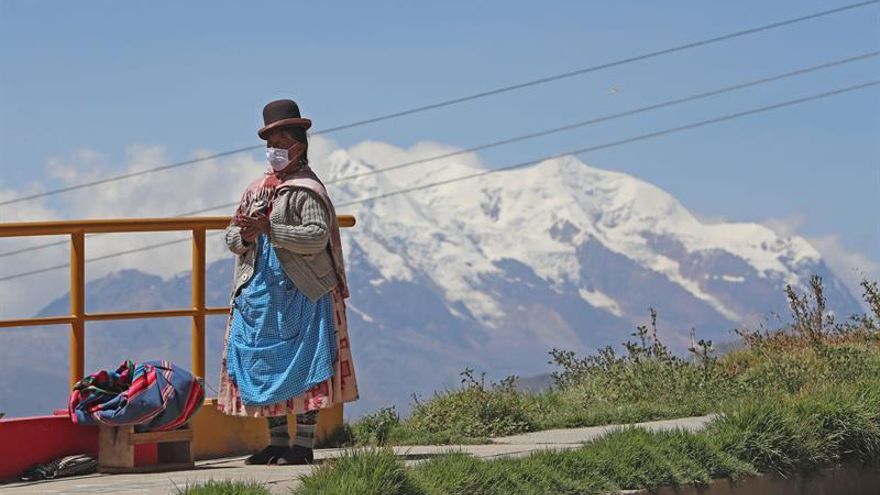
(645, 381)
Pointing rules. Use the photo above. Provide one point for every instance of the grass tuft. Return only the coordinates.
(223, 487)
(362, 471)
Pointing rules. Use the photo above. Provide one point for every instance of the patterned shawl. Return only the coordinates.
(271, 184)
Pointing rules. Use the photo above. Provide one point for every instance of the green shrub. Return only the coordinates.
(788, 372)
(850, 363)
(647, 381)
(871, 295)
(647, 372)
(375, 428)
(475, 410)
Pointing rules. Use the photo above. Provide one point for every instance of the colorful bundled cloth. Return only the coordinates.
(152, 396)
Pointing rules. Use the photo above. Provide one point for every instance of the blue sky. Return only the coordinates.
(195, 75)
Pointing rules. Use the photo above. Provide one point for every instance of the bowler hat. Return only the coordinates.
(282, 113)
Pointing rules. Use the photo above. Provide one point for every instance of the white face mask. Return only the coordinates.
(277, 158)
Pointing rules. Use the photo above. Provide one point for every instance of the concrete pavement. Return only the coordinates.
(280, 479)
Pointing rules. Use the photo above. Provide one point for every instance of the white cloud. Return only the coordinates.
(710, 219)
(786, 226)
(90, 162)
(34, 210)
(850, 266)
(383, 155)
(387, 154)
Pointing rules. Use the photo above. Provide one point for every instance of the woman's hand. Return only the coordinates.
(253, 226)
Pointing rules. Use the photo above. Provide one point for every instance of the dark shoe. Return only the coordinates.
(266, 456)
(296, 455)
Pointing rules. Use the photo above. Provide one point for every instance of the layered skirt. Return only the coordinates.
(276, 352)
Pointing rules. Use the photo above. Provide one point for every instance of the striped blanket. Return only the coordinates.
(152, 396)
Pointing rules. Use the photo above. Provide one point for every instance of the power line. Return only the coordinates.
(617, 63)
(64, 242)
(115, 178)
(584, 123)
(612, 144)
(99, 258)
(462, 99)
(663, 104)
(32, 248)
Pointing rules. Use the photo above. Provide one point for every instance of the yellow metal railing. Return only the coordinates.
(77, 230)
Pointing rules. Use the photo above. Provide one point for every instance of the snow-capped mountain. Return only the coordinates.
(493, 272)
(579, 230)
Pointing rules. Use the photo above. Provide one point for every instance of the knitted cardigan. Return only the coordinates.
(299, 230)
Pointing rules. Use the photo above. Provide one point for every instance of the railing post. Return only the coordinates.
(198, 302)
(77, 305)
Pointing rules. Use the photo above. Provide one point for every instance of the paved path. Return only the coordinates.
(578, 435)
(280, 478)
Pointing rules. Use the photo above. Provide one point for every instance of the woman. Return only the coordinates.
(286, 345)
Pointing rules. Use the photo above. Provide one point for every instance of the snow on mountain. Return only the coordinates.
(539, 216)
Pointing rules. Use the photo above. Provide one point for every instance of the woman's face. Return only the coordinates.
(280, 138)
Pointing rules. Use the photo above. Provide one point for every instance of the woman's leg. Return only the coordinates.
(306, 423)
(279, 442)
(301, 451)
(278, 435)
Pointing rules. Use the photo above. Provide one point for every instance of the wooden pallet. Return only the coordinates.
(116, 449)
